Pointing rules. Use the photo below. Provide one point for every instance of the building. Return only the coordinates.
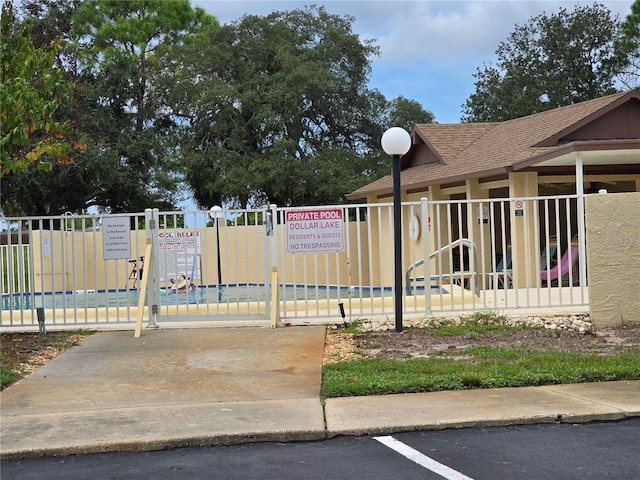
(577, 149)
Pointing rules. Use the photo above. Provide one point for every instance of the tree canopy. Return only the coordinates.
(628, 49)
(277, 109)
(117, 44)
(169, 104)
(551, 61)
(109, 50)
(32, 90)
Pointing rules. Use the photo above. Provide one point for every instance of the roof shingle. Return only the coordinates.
(471, 150)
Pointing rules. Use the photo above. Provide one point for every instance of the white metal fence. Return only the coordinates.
(330, 263)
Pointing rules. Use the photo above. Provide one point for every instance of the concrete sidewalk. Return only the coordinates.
(218, 386)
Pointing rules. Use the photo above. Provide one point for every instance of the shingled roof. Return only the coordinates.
(448, 153)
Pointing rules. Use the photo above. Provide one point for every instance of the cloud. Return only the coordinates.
(438, 29)
(429, 49)
(408, 30)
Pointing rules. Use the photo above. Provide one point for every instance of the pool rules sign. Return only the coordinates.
(310, 231)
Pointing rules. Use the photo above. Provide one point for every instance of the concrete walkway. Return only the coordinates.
(218, 386)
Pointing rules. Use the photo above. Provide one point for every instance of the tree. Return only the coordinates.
(32, 90)
(34, 191)
(129, 163)
(276, 109)
(256, 97)
(628, 49)
(405, 113)
(552, 61)
(266, 109)
(50, 20)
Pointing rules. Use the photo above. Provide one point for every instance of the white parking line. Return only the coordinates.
(421, 459)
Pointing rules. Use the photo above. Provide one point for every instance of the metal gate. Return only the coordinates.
(87, 270)
(292, 265)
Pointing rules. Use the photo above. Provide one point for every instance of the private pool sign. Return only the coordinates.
(310, 231)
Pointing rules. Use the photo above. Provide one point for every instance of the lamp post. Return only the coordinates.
(216, 213)
(396, 142)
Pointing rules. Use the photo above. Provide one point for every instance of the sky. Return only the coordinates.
(429, 50)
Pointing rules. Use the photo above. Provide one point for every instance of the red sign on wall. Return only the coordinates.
(315, 230)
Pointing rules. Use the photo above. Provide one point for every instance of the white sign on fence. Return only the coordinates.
(518, 207)
(179, 253)
(315, 230)
(116, 237)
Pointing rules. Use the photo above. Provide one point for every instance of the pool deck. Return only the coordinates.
(513, 302)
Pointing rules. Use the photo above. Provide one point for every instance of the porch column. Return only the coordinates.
(581, 226)
(523, 244)
(438, 234)
(478, 226)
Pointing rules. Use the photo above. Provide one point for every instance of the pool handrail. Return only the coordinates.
(461, 274)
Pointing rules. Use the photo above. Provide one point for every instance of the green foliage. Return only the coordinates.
(276, 109)
(32, 89)
(488, 352)
(74, 331)
(489, 367)
(249, 218)
(405, 113)
(351, 327)
(280, 91)
(484, 317)
(110, 51)
(628, 49)
(167, 103)
(14, 261)
(478, 323)
(8, 376)
(130, 162)
(550, 61)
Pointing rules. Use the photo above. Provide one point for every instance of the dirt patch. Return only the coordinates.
(24, 353)
(340, 347)
(423, 343)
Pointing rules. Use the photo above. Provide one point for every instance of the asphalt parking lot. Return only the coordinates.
(586, 451)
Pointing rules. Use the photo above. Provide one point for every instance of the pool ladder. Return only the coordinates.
(451, 277)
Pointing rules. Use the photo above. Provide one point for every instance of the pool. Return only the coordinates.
(129, 298)
(206, 294)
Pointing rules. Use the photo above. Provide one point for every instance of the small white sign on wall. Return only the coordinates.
(116, 238)
(483, 214)
(518, 208)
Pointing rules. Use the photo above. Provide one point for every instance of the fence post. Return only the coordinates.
(268, 227)
(275, 282)
(41, 319)
(152, 265)
(426, 254)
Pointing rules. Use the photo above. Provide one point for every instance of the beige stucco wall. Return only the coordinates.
(64, 260)
(613, 256)
(75, 260)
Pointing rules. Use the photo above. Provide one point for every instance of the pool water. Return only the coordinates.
(206, 294)
(125, 298)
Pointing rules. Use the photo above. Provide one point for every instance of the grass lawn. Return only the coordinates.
(486, 367)
(490, 362)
